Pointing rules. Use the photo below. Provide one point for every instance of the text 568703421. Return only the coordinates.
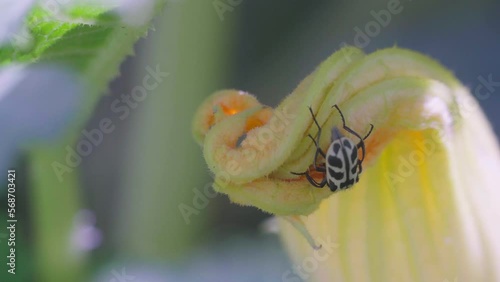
(11, 221)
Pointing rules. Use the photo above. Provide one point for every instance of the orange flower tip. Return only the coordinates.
(219, 106)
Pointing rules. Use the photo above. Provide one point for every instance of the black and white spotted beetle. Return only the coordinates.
(343, 166)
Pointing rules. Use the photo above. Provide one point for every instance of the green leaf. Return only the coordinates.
(92, 40)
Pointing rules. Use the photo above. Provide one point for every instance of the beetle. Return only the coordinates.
(342, 165)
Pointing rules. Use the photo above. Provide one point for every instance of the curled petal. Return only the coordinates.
(246, 150)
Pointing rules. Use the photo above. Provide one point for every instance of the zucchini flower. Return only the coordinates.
(424, 208)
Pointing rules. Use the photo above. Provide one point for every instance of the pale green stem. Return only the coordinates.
(54, 205)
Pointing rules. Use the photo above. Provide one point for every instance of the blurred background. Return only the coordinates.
(147, 212)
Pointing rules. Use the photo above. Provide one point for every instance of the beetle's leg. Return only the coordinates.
(318, 151)
(314, 182)
(321, 168)
(316, 141)
(361, 143)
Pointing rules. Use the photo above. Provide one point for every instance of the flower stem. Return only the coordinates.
(54, 205)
